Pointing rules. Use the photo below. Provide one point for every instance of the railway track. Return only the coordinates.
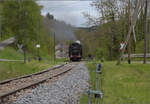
(12, 86)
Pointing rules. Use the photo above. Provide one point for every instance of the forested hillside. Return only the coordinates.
(112, 28)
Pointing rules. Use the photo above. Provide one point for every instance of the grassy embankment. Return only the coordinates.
(15, 69)
(124, 84)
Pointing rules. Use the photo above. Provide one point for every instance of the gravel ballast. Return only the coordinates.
(64, 91)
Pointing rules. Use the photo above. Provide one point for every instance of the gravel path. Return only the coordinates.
(63, 91)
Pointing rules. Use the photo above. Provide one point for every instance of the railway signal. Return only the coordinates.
(20, 47)
(122, 44)
(97, 92)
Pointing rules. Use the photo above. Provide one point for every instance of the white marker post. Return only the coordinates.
(38, 51)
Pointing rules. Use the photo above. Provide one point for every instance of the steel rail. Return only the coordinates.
(33, 84)
(25, 76)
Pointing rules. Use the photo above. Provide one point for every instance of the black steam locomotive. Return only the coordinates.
(75, 51)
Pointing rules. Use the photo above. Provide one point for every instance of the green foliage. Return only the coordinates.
(140, 47)
(99, 42)
(101, 53)
(111, 29)
(22, 19)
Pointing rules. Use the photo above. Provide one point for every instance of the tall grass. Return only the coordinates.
(124, 84)
(15, 69)
(10, 53)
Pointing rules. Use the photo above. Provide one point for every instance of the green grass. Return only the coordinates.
(137, 59)
(13, 54)
(15, 69)
(10, 53)
(124, 84)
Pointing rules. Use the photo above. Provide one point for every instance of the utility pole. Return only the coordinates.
(129, 42)
(24, 26)
(54, 47)
(145, 32)
(38, 42)
(0, 24)
(25, 13)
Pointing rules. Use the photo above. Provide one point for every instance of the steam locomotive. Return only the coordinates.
(75, 51)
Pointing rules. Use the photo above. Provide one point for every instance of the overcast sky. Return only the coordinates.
(69, 11)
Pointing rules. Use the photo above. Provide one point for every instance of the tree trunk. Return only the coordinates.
(129, 42)
(145, 32)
